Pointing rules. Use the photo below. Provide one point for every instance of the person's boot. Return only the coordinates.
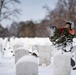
(74, 68)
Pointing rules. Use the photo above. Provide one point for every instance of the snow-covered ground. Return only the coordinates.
(49, 71)
(7, 64)
(8, 68)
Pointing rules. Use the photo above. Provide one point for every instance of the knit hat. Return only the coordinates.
(71, 24)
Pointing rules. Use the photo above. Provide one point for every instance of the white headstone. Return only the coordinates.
(27, 65)
(1, 51)
(0, 47)
(20, 53)
(74, 53)
(0, 57)
(35, 47)
(62, 64)
(45, 55)
(75, 57)
(17, 44)
(74, 49)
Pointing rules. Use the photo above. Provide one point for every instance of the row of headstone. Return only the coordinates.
(24, 64)
(44, 53)
(28, 64)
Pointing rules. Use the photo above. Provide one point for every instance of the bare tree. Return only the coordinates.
(64, 10)
(8, 9)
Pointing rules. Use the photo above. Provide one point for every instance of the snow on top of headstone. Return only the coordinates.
(28, 58)
(22, 48)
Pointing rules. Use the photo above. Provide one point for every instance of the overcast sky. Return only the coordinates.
(33, 10)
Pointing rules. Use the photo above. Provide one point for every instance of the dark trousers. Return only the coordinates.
(72, 62)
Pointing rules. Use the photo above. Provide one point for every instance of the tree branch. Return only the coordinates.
(14, 12)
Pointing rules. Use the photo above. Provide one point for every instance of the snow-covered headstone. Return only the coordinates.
(62, 64)
(17, 45)
(35, 47)
(45, 54)
(74, 49)
(0, 47)
(0, 57)
(75, 57)
(74, 54)
(1, 51)
(27, 65)
(20, 53)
